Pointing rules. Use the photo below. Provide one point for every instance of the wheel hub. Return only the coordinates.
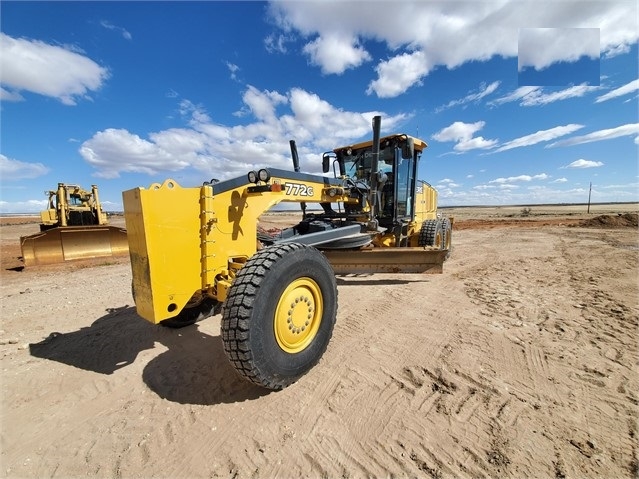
(298, 315)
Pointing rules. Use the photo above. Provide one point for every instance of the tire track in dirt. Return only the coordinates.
(544, 339)
(517, 362)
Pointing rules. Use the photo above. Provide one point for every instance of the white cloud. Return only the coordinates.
(560, 180)
(462, 133)
(6, 95)
(511, 179)
(484, 90)
(398, 74)
(109, 26)
(335, 53)
(18, 170)
(233, 69)
(536, 193)
(629, 185)
(584, 164)
(541, 47)
(29, 206)
(277, 43)
(623, 90)
(600, 135)
(116, 150)
(229, 151)
(425, 35)
(535, 96)
(49, 70)
(539, 136)
(447, 183)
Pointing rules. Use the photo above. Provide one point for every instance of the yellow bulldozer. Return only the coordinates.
(74, 226)
(198, 250)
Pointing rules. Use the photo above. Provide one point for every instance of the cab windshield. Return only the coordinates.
(357, 165)
(397, 191)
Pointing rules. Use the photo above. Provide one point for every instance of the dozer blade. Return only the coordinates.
(387, 260)
(68, 243)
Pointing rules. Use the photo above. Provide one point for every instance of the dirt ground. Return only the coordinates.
(520, 360)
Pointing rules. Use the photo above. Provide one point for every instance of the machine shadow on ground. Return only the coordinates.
(193, 369)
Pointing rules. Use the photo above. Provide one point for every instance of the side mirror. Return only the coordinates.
(408, 149)
(326, 163)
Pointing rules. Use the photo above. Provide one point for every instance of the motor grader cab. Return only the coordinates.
(197, 250)
(73, 226)
(383, 172)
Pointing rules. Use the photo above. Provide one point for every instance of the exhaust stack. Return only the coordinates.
(373, 199)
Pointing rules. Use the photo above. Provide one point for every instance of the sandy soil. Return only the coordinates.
(521, 360)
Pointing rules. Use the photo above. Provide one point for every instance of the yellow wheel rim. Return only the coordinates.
(298, 315)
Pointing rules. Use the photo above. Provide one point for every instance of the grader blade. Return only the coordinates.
(387, 260)
(58, 245)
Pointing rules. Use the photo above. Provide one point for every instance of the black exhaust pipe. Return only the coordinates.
(296, 159)
(374, 176)
(296, 168)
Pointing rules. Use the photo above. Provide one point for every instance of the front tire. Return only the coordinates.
(279, 314)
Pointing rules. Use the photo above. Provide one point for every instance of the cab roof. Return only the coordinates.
(419, 145)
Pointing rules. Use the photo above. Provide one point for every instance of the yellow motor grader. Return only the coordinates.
(195, 251)
(74, 226)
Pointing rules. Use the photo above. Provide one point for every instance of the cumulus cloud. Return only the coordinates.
(600, 135)
(398, 74)
(422, 36)
(631, 87)
(462, 133)
(541, 47)
(49, 70)
(335, 53)
(222, 151)
(134, 154)
(11, 169)
(584, 164)
(540, 136)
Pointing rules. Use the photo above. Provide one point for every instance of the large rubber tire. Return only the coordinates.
(279, 314)
(447, 229)
(192, 314)
(431, 234)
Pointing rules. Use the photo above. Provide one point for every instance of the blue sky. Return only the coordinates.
(520, 102)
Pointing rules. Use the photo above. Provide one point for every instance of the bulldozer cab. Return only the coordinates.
(396, 174)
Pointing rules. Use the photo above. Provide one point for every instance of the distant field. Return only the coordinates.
(460, 213)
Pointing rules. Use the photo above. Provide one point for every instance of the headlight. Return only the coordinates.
(252, 177)
(263, 175)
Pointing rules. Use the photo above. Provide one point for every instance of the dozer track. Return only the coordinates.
(61, 244)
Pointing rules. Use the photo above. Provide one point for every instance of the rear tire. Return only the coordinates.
(447, 228)
(191, 315)
(279, 314)
(431, 234)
